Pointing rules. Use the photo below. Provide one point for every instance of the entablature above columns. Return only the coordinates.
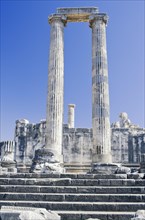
(89, 14)
(75, 14)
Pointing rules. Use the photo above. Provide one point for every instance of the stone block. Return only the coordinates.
(30, 181)
(69, 216)
(140, 182)
(4, 181)
(123, 190)
(54, 197)
(111, 176)
(128, 182)
(87, 198)
(92, 182)
(85, 176)
(62, 206)
(17, 175)
(138, 190)
(17, 181)
(116, 182)
(53, 182)
(62, 182)
(139, 215)
(49, 189)
(105, 190)
(26, 213)
(9, 216)
(68, 175)
(68, 190)
(135, 176)
(104, 182)
(86, 190)
(123, 170)
(78, 182)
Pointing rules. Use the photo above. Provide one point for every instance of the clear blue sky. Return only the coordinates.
(24, 61)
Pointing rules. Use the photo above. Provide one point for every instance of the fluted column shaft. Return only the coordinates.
(55, 98)
(100, 91)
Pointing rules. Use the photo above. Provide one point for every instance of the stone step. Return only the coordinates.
(76, 196)
(72, 197)
(72, 182)
(73, 189)
(79, 206)
(83, 215)
(74, 176)
(66, 175)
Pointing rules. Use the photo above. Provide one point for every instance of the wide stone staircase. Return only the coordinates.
(76, 196)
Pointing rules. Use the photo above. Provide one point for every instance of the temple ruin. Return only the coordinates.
(53, 170)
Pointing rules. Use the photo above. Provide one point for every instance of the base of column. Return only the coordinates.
(109, 168)
(8, 167)
(46, 161)
(102, 158)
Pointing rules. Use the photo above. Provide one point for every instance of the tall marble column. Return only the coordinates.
(55, 98)
(100, 91)
(71, 115)
(49, 159)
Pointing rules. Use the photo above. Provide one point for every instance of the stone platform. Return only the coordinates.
(76, 196)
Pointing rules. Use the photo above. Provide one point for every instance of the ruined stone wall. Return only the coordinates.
(28, 137)
(127, 142)
(136, 147)
(119, 143)
(77, 145)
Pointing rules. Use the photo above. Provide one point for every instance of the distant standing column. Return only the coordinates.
(71, 115)
(100, 91)
(55, 98)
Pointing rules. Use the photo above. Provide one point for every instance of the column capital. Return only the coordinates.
(98, 17)
(57, 17)
(72, 105)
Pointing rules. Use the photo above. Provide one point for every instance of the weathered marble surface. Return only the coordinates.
(127, 144)
(128, 140)
(8, 152)
(27, 213)
(8, 163)
(45, 162)
(100, 91)
(55, 97)
(109, 168)
(139, 215)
